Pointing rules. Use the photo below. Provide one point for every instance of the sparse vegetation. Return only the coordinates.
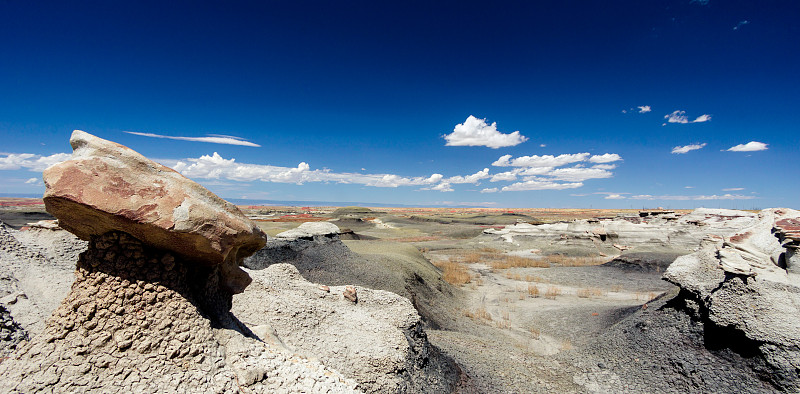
(533, 291)
(534, 278)
(453, 272)
(573, 261)
(591, 292)
(479, 314)
(552, 292)
(505, 262)
(535, 333)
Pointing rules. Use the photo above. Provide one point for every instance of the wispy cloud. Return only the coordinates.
(752, 146)
(442, 187)
(214, 139)
(733, 189)
(535, 184)
(614, 197)
(217, 167)
(540, 161)
(687, 148)
(692, 198)
(577, 174)
(740, 24)
(490, 190)
(30, 161)
(680, 117)
(476, 132)
(642, 109)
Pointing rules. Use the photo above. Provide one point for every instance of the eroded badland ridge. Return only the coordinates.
(148, 282)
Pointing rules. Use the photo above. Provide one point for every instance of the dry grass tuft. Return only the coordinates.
(567, 261)
(552, 292)
(591, 292)
(501, 262)
(534, 278)
(453, 272)
(566, 344)
(533, 291)
(535, 332)
(480, 314)
(471, 258)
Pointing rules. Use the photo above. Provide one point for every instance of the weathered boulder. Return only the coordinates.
(377, 341)
(741, 284)
(108, 187)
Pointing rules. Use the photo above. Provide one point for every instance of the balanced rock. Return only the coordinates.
(149, 310)
(108, 187)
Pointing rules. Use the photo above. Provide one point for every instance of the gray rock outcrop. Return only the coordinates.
(610, 236)
(143, 316)
(741, 284)
(377, 340)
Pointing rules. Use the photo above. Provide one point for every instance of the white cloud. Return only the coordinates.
(733, 189)
(16, 161)
(531, 171)
(215, 167)
(688, 187)
(605, 158)
(605, 166)
(442, 187)
(32, 180)
(505, 176)
(214, 139)
(490, 190)
(577, 174)
(643, 109)
(542, 145)
(695, 198)
(535, 184)
(752, 146)
(687, 148)
(702, 118)
(540, 161)
(474, 178)
(614, 197)
(680, 117)
(476, 132)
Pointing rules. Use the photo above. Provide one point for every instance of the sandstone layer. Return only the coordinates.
(108, 187)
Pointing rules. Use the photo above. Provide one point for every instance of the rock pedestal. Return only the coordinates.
(149, 310)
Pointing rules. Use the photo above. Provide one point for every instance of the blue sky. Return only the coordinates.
(497, 104)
